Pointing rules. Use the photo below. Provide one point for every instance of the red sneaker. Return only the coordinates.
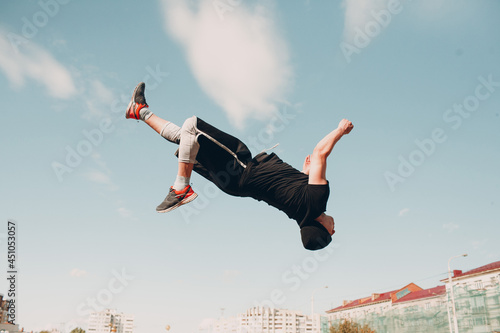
(137, 103)
(176, 199)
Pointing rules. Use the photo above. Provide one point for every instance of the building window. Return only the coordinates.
(478, 284)
(427, 305)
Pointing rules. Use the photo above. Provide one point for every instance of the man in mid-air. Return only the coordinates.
(227, 162)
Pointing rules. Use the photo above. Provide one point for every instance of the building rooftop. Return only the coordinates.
(436, 291)
(383, 297)
(408, 293)
(482, 269)
(412, 292)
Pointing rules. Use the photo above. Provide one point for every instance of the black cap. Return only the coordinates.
(315, 236)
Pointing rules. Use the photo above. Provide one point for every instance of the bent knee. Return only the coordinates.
(189, 125)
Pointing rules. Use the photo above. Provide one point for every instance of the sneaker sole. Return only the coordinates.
(183, 202)
(128, 108)
(132, 102)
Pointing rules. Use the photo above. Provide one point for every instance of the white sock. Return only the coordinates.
(145, 113)
(181, 183)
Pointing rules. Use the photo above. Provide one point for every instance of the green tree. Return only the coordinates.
(77, 330)
(347, 326)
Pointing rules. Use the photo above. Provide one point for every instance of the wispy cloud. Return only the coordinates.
(124, 212)
(102, 175)
(97, 158)
(99, 177)
(483, 248)
(30, 61)
(403, 212)
(75, 272)
(450, 227)
(357, 14)
(478, 244)
(230, 274)
(240, 61)
(98, 100)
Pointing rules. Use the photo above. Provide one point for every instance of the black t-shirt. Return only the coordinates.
(280, 185)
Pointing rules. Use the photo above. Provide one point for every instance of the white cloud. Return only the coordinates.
(99, 99)
(404, 211)
(229, 275)
(26, 60)
(77, 272)
(357, 14)
(450, 227)
(98, 177)
(237, 56)
(97, 158)
(124, 212)
(101, 175)
(477, 244)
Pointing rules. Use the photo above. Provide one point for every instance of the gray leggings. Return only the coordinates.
(185, 137)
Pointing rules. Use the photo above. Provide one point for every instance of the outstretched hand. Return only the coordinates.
(345, 126)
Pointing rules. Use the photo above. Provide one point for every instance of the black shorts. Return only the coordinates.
(222, 158)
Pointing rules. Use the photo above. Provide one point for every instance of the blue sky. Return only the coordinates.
(415, 182)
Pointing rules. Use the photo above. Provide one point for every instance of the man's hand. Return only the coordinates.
(328, 222)
(307, 165)
(345, 126)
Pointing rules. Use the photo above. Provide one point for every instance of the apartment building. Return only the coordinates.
(110, 321)
(413, 309)
(477, 298)
(268, 320)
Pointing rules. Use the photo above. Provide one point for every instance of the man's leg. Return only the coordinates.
(181, 192)
(158, 124)
(188, 147)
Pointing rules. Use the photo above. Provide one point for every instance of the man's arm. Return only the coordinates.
(317, 171)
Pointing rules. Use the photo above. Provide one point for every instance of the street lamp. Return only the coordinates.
(455, 323)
